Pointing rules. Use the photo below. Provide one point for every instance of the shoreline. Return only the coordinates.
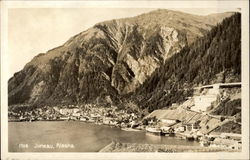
(111, 125)
(137, 147)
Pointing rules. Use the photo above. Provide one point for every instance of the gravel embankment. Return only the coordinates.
(135, 147)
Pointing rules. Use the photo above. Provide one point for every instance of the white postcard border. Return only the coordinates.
(244, 5)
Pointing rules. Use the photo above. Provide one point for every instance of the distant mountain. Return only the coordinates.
(214, 58)
(110, 60)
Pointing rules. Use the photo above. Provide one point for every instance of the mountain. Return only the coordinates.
(109, 60)
(214, 58)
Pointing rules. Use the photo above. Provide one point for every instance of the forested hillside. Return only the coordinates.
(214, 58)
(109, 60)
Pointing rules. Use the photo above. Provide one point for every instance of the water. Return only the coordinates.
(73, 136)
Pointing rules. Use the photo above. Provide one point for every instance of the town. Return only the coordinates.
(191, 120)
(86, 113)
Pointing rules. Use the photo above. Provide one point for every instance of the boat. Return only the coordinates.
(73, 118)
(168, 131)
(190, 138)
(83, 119)
(98, 123)
(64, 118)
(91, 120)
(204, 143)
(156, 131)
(169, 134)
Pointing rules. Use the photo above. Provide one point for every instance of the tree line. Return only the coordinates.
(214, 58)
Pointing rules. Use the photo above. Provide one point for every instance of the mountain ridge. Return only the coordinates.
(106, 61)
(214, 58)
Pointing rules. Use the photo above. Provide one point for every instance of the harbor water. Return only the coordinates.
(76, 136)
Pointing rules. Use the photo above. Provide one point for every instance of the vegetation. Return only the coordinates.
(92, 66)
(228, 108)
(229, 127)
(219, 52)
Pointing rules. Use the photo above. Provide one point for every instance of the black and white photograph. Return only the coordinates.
(143, 79)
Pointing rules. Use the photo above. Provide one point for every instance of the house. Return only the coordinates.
(175, 104)
(107, 120)
(191, 126)
(180, 129)
(134, 124)
(165, 116)
(39, 118)
(113, 122)
(168, 121)
(95, 115)
(75, 110)
(76, 114)
(66, 111)
(56, 109)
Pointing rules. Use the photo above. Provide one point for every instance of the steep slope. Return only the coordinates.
(106, 61)
(214, 58)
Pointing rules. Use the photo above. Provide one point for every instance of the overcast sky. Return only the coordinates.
(34, 31)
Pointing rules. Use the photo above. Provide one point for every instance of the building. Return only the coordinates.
(64, 118)
(164, 115)
(210, 94)
(56, 109)
(107, 120)
(168, 121)
(215, 88)
(64, 111)
(191, 126)
(201, 103)
(180, 129)
(69, 111)
(78, 114)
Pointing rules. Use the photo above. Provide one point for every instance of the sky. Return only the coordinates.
(36, 30)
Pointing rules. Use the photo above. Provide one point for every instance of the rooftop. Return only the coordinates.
(235, 84)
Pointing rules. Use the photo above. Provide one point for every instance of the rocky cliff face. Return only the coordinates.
(107, 61)
(214, 58)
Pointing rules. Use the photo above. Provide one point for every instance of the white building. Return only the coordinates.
(76, 114)
(201, 103)
(180, 129)
(210, 94)
(66, 111)
(169, 121)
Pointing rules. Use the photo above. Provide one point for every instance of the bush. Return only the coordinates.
(145, 122)
(229, 108)
(222, 119)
